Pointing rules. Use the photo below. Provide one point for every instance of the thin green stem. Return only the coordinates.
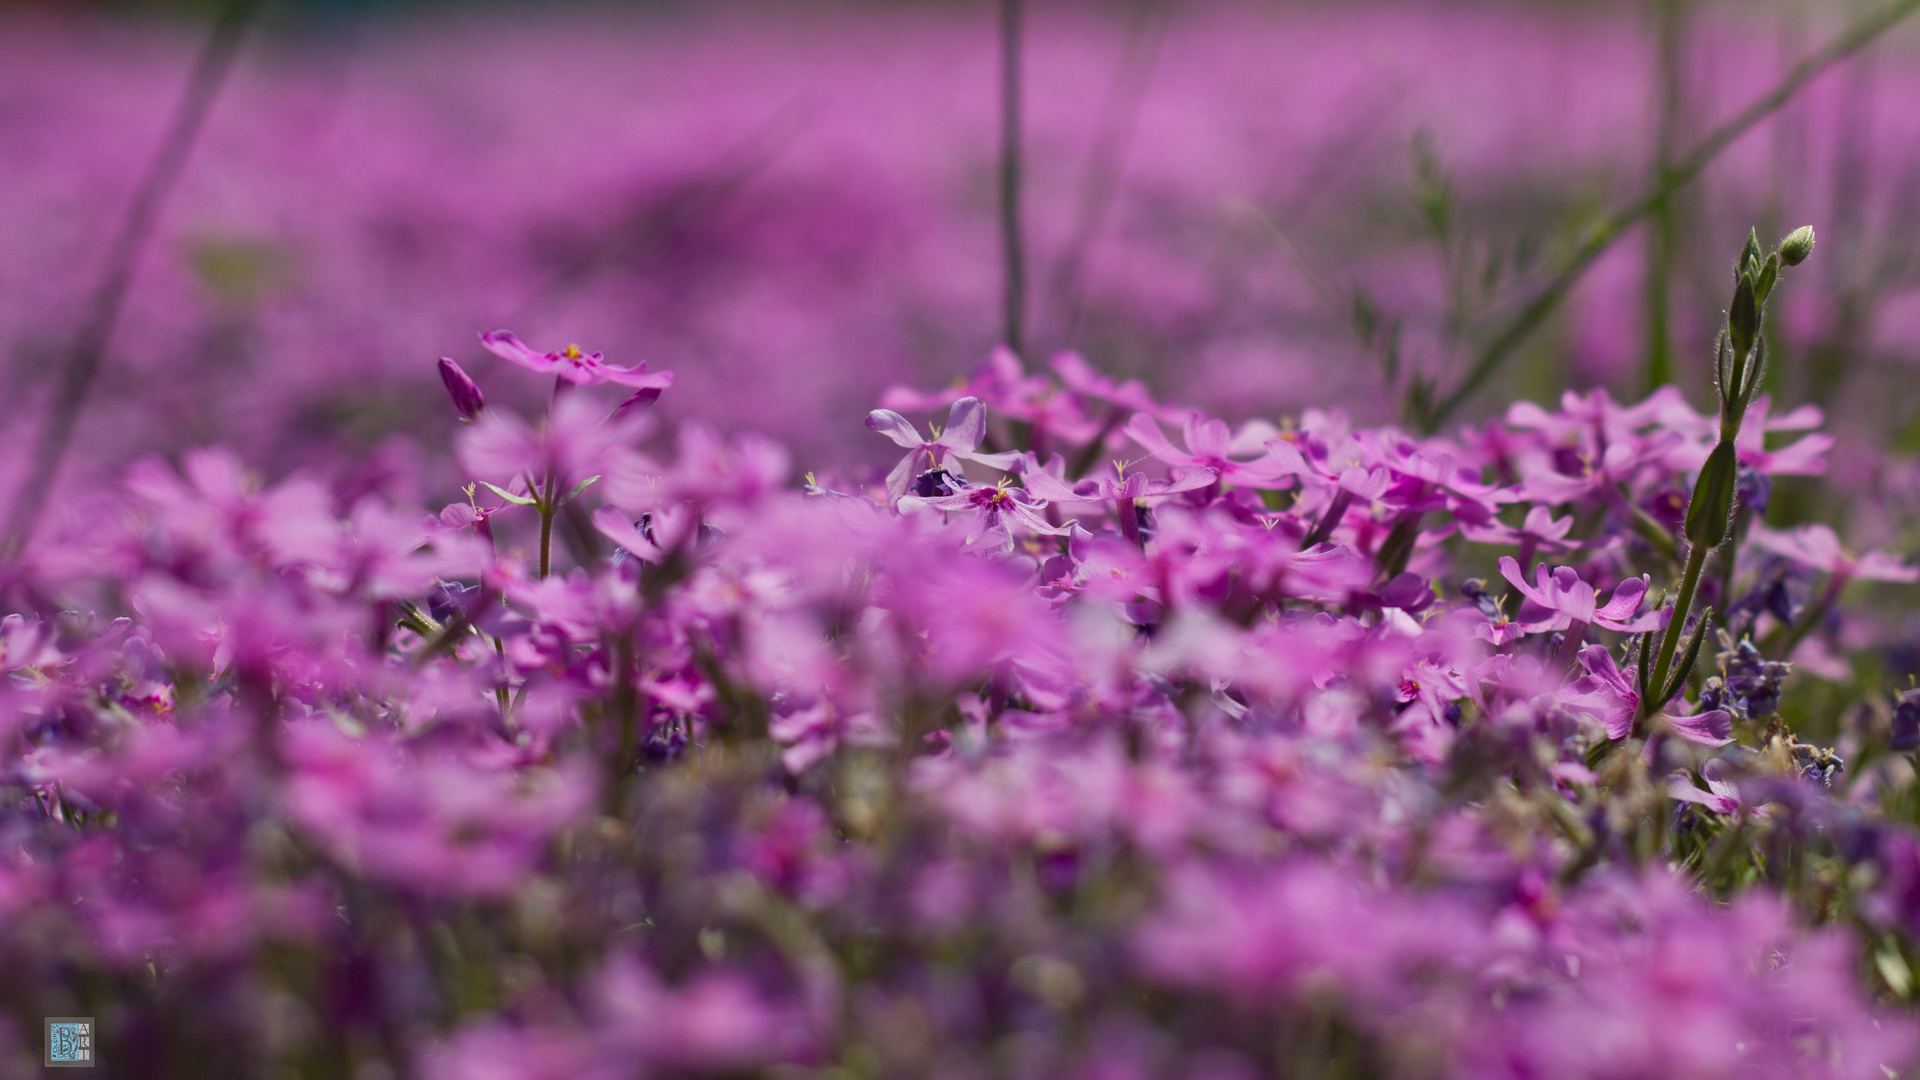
(543, 494)
(1661, 236)
(1012, 245)
(1603, 234)
(546, 540)
(142, 217)
(1670, 640)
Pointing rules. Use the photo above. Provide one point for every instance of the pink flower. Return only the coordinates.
(997, 509)
(1209, 442)
(1558, 602)
(581, 369)
(1607, 694)
(966, 428)
(1540, 530)
(1817, 548)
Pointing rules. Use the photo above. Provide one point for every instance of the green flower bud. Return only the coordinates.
(1743, 318)
(1797, 246)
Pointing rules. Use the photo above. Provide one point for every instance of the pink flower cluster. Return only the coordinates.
(1065, 747)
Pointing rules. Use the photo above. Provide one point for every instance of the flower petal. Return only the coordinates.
(1713, 728)
(506, 346)
(895, 427)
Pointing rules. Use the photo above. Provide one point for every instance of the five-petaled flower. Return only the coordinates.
(1555, 602)
(572, 365)
(966, 428)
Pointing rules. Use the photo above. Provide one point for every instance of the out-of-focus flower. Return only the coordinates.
(572, 365)
(1816, 547)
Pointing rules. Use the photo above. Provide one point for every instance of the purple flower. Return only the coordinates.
(1557, 602)
(572, 365)
(1605, 692)
(966, 428)
(998, 508)
(1817, 548)
(1209, 444)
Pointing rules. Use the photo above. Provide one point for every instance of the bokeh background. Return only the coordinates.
(1254, 207)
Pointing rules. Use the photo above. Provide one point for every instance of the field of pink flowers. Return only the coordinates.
(557, 576)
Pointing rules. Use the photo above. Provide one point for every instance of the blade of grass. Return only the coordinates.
(89, 348)
(1604, 233)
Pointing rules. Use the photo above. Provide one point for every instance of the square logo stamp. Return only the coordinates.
(69, 1042)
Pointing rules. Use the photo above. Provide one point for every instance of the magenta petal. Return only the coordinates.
(902, 476)
(1713, 728)
(1207, 438)
(639, 378)
(1407, 591)
(1005, 460)
(895, 427)
(1143, 430)
(1189, 481)
(1053, 489)
(1510, 569)
(966, 426)
(506, 346)
(1030, 519)
(1625, 600)
(613, 524)
(1681, 787)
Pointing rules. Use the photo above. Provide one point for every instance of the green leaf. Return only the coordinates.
(1769, 272)
(1687, 658)
(1750, 254)
(1743, 318)
(582, 486)
(517, 500)
(1712, 503)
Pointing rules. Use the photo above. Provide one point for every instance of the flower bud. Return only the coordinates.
(1743, 319)
(461, 387)
(1797, 246)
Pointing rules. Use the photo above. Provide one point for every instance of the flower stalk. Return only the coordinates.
(1740, 360)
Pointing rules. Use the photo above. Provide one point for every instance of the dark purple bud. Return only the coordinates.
(638, 402)
(1906, 722)
(461, 387)
(1755, 490)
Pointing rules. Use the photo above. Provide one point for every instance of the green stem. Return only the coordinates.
(1012, 245)
(1670, 640)
(546, 540)
(1661, 234)
(500, 692)
(547, 509)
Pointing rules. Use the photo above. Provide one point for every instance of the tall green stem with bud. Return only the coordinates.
(1740, 361)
